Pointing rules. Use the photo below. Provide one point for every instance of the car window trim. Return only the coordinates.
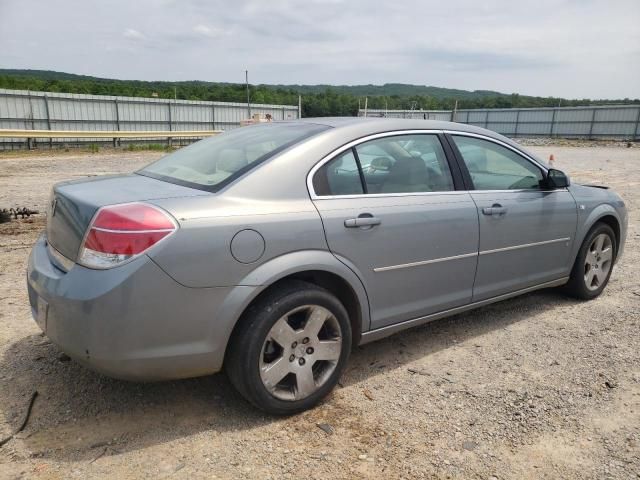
(365, 189)
(454, 167)
(449, 134)
(354, 143)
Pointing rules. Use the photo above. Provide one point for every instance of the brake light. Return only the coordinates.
(119, 233)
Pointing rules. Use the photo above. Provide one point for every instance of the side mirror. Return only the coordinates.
(556, 179)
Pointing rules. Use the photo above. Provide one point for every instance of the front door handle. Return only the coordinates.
(495, 210)
(363, 220)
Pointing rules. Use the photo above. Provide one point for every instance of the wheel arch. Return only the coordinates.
(319, 268)
(602, 214)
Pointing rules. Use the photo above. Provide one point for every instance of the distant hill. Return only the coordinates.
(388, 89)
(394, 89)
(318, 100)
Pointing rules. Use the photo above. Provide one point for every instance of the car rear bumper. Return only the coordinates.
(132, 322)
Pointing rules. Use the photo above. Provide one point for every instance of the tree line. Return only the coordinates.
(317, 100)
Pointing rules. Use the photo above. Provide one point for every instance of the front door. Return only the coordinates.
(526, 233)
(390, 211)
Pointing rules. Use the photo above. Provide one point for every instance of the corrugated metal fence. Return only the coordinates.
(21, 109)
(615, 121)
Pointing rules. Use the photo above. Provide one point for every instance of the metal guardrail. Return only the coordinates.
(6, 133)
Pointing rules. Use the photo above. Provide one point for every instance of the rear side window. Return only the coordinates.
(494, 167)
(339, 176)
(394, 164)
(215, 162)
(405, 164)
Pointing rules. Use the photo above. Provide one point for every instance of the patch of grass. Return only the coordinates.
(157, 147)
(94, 148)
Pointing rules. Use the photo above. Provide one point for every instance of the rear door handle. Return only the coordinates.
(496, 209)
(364, 220)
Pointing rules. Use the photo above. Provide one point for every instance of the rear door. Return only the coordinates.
(391, 211)
(526, 232)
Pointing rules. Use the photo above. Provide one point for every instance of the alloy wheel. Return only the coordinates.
(598, 261)
(300, 352)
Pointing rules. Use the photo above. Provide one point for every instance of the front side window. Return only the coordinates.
(213, 163)
(494, 167)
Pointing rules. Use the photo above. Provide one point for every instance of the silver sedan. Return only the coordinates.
(270, 251)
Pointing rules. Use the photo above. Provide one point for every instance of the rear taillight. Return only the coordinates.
(118, 233)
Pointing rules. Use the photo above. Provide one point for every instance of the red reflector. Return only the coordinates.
(132, 217)
(123, 243)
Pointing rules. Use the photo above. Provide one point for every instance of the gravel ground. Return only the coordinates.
(539, 386)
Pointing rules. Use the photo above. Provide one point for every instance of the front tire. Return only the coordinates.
(594, 264)
(290, 348)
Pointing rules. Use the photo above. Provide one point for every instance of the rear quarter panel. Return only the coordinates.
(199, 254)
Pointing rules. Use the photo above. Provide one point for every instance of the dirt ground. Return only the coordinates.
(540, 386)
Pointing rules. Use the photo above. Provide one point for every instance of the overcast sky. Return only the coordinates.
(568, 48)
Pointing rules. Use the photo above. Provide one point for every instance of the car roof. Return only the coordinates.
(380, 124)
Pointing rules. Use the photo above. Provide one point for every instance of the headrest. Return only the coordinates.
(411, 171)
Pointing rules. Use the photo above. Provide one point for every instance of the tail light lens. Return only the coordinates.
(119, 233)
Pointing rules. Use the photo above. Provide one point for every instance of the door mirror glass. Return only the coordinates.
(556, 179)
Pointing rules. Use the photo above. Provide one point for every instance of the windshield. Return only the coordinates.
(215, 162)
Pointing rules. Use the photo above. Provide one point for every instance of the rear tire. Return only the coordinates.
(290, 348)
(594, 263)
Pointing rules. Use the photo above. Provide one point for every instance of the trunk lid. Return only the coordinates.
(73, 204)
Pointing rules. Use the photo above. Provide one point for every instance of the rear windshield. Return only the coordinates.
(212, 163)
